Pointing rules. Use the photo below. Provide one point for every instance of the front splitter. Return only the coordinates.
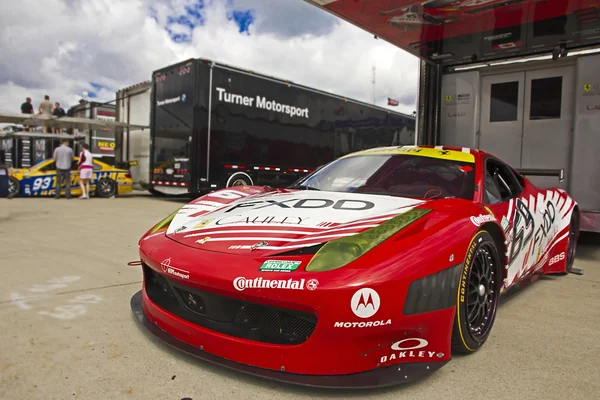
(379, 377)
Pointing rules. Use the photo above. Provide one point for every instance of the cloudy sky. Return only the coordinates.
(65, 47)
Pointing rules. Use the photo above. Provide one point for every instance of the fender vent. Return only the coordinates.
(433, 292)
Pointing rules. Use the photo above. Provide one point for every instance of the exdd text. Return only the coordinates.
(344, 205)
(548, 217)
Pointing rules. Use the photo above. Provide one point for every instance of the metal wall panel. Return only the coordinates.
(460, 118)
(585, 171)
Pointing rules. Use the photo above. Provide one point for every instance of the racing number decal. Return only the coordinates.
(45, 183)
(523, 229)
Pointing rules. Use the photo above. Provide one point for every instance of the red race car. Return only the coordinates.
(372, 270)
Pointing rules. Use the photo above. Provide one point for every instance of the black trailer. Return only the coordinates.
(215, 126)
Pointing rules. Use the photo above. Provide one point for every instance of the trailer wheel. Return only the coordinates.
(239, 179)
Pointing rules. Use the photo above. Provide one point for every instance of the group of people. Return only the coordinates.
(63, 159)
(45, 108)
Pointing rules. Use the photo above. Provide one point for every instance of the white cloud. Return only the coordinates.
(62, 46)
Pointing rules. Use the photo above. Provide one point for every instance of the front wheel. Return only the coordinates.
(14, 187)
(106, 188)
(478, 294)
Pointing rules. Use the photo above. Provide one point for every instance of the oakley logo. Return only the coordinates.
(365, 303)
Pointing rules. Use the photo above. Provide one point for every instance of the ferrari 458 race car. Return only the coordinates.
(370, 271)
(40, 180)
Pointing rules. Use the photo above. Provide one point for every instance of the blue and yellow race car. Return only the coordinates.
(40, 180)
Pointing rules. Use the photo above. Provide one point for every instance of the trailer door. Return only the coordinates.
(527, 119)
(548, 121)
(172, 128)
(501, 126)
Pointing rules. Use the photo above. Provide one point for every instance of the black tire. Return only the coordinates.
(238, 179)
(106, 187)
(572, 244)
(478, 294)
(14, 187)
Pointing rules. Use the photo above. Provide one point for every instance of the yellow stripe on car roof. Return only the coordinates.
(453, 155)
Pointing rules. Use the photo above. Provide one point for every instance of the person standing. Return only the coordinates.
(4, 187)
(86, 171)
(45, 109)
(63, 159)
(58, 112)
(27, 108)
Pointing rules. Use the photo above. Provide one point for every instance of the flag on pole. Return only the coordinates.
(392, 102)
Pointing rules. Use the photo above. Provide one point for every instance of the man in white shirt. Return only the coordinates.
(45, 108)
(63, 159)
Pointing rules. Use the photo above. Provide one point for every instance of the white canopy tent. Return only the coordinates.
(80, 124)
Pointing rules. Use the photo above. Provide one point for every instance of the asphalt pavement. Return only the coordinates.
(67, 331)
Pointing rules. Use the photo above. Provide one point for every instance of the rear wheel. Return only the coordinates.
(106, 188)
(572, 246)
(478, 294)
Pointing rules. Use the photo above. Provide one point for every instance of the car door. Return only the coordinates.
(41, 181)
(75, 188)
(511, 201)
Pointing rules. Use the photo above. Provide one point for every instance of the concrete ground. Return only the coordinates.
(67, 332)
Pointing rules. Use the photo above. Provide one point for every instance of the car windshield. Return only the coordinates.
(38, 164)
(396, 175)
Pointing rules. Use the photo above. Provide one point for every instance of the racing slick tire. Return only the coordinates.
(572, 244)
(239, 179)
(106, 187)
(477, 295)
(14, 187)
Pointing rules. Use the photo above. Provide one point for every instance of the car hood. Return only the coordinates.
(272, 223)
(19, 171)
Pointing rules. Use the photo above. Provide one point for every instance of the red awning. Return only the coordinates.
(455, 32)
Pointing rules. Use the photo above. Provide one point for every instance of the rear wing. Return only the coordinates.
(126, 164)
(559, 173)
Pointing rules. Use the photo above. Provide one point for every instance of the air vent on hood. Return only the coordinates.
(304, 250)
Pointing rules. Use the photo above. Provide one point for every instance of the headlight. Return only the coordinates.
(340, 252)
(164, 224)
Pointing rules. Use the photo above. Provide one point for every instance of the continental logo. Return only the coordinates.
(465, 271)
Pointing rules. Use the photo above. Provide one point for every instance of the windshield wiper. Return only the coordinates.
(304, 187)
